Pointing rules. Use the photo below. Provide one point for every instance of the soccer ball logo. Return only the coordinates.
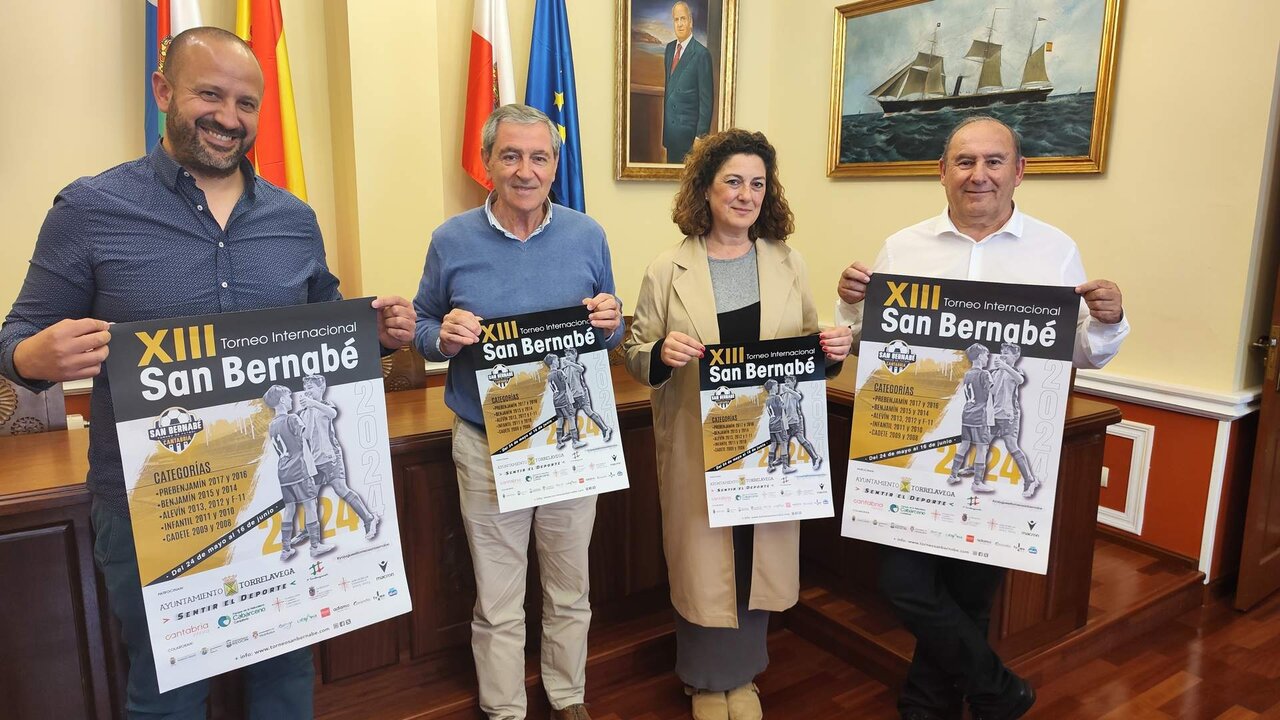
(175, 428)
(896, 356)
(500, 375)
(722, 397)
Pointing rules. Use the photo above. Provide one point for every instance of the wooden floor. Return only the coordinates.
(1149, 651)
(1211, 663)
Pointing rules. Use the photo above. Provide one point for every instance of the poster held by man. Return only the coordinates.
(550, 416)
(958, 414)
(256, 460)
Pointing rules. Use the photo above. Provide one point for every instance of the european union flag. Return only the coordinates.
(550, 88)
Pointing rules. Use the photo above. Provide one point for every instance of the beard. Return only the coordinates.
(184, 143)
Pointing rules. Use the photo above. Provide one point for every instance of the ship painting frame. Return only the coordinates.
(862, 140)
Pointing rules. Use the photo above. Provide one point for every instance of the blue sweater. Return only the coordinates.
(474, 266)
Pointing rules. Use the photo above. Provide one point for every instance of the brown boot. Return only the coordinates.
(744, 703)
(708, 704)
(573, 712)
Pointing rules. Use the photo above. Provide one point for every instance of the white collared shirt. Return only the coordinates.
(681, 46)
(1024, 251)
(493, 219)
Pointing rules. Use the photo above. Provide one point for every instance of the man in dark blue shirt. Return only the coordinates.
(187, 230)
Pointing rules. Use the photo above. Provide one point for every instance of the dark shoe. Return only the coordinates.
(918, 714)
(573, 712)
(1011, 707)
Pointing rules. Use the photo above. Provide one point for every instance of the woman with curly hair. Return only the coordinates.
(733, 279)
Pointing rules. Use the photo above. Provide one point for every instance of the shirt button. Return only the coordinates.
(199, 207)
(224, 283)
(221, 244)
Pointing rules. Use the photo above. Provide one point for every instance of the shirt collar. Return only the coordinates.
(493, 219)
(942, 225)
(168, 169)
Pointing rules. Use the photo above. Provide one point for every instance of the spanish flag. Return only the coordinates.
(277, 154)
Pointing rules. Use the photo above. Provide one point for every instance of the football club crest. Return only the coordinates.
(896, 356)
(175, 428)
(722, 397)
(500, 375)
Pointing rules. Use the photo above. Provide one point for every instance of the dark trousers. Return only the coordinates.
(946, 604)
(277, 689)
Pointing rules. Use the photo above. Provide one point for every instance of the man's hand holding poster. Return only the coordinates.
(255, 453)
(959, 405)
(764, 432)
(549, 410)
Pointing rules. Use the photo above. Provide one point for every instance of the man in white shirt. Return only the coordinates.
(946, 603)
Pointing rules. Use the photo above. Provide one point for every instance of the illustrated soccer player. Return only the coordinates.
(791, 399)
(1007, 402)
(566, 417)
(575, 374)
(976, 419)
(779, 447)
(296, 483)
(317, 417)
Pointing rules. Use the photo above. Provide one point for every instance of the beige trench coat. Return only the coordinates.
(676, 295)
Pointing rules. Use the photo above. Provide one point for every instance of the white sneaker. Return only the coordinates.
(371, 527)
(319, 549)
(980, 486)
(287, 553)
(1030, 491)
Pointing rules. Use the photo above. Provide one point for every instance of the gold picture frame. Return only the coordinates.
(890, 112)
(644, 136)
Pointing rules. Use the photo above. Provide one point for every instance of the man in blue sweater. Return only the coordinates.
(516, 254)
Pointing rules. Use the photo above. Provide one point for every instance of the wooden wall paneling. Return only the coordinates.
(378, 645)
(1033, 610)
(53, 660)
(437, 559)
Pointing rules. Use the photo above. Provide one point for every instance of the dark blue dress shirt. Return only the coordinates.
(138, 243)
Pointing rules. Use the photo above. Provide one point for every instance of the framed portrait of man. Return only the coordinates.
(674, 82)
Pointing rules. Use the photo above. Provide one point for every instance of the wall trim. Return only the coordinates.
(1217, 478)
(1180, 398)
(1144, 439)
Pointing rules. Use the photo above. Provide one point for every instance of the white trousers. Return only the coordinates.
(499, 545)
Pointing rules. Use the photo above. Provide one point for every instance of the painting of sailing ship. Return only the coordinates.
(908, 70)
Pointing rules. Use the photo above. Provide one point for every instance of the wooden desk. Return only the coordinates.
(59, 657)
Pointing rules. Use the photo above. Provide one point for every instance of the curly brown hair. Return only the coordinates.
(690, 210)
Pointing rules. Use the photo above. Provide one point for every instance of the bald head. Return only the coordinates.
(974, 119)
(213, 39)
(210, 89)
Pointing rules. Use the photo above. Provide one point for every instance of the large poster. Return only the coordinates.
(549, 411)
(764, 432)
(254, 449)
(957, 419)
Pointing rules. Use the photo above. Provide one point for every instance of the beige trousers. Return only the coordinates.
(499, 545)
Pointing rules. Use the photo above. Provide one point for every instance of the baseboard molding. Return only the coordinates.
(1179, 398)
(1120, 537)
